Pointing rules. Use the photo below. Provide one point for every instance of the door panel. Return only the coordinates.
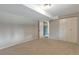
(68, 29)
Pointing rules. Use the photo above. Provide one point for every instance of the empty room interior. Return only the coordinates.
(39, 29)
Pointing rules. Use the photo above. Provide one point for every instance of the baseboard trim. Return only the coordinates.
(15, 43)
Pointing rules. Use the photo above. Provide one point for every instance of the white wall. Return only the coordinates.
(11, 34)
(16, 29)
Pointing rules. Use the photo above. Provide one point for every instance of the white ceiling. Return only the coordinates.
(63, 9)
(17, 13)
(29, 14)
(55, 11)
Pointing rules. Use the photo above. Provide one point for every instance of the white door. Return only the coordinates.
(68, 29)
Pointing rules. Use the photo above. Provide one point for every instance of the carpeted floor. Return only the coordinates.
(41, 47)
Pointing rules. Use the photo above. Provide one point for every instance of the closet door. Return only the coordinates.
(68, 29)
(62, 29)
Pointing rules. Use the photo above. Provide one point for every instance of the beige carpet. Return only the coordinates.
(42, 46)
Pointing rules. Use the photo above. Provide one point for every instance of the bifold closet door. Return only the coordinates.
(68, 29)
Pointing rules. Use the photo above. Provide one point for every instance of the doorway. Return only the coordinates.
(45, 29)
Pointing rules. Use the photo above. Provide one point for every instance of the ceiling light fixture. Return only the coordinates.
(47, 6)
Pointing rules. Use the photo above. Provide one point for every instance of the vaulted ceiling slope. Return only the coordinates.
(62, 10)
(31, 13)
(56, 11)
(18, 13)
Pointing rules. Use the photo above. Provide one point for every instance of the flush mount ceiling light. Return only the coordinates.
(46, 6)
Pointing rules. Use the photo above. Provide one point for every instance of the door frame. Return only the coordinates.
(48, 29)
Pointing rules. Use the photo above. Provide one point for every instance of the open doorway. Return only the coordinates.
(44, 29)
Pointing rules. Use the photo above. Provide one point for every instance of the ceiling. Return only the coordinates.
(63, 10)
(31, 13)
(56, 11)
(18, 13)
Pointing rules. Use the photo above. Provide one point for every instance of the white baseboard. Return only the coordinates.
(15, 43)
